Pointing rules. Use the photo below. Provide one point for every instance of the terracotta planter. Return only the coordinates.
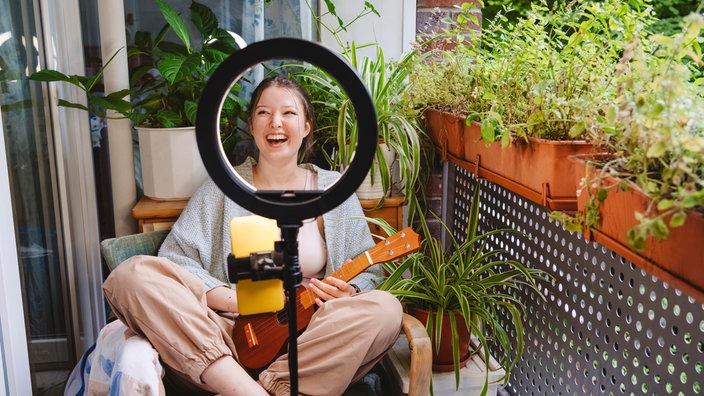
(446, 131)
(677, 260)
(443, 356)
(537, 169)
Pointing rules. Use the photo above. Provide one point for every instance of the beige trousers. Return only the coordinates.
(345, 338)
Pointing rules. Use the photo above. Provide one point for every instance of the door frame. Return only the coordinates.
(15, 378)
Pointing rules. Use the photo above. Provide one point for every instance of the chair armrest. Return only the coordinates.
(421, 370)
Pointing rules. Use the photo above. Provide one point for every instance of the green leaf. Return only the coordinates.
(656, 110)
(142, 39)
(657, 150)
(505, 139)
(659, 228)
(204, 20)
(636, 238)
(176, 68)
(611, 114)
(333, 12)
(371, 8)
(191, 109)
(678, 219)
(169, 119)
(488, 96)
(601, 194)
(72, 105)
(177, 24)
(577, 129)
(666, 204)
(49, 76)
(113, 103)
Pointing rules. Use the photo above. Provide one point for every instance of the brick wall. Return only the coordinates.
(430, 13)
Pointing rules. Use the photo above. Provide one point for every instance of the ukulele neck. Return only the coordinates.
(347, 272)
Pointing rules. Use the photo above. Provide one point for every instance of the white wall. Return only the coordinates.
(394, 30)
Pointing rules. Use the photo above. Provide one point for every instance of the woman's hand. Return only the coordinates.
(330, 289)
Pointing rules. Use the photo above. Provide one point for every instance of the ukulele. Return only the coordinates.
(261, 338)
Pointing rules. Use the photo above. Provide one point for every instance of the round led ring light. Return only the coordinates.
(286, 208)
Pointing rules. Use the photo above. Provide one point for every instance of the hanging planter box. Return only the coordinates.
(537, 169)
(677, 260)
(446, 130)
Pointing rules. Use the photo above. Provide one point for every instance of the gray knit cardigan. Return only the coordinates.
(200, 239)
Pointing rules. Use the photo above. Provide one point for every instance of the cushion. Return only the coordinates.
(117, 250)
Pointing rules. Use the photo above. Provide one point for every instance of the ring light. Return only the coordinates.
(287, 207)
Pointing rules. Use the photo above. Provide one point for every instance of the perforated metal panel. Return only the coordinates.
(605, 326)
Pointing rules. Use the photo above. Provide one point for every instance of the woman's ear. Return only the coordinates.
(307, 129)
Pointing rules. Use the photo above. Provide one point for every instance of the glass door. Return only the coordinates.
(34, 200)
(52, 196)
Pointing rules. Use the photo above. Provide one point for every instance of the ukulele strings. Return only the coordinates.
(275, 319)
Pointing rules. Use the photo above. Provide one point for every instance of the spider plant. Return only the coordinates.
(470, 278)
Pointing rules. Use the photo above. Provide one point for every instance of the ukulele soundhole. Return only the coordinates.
(282, 316)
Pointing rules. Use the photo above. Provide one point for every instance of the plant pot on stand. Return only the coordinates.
(172, 168)
(371, 187)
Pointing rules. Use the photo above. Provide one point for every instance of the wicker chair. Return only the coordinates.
(117, 250)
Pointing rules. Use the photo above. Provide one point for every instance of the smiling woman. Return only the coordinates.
(280, 119)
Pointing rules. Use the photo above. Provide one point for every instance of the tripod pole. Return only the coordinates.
(292, 280)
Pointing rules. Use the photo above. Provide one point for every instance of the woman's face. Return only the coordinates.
(278, 123)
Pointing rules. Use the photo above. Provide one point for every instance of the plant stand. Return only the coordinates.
(397, 363)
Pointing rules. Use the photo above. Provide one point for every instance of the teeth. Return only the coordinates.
(276, 137)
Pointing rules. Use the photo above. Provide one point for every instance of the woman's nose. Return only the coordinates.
(275, 120)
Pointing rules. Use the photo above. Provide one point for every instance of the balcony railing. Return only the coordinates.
(606, 326)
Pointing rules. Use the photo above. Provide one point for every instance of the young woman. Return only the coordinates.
(182, 300)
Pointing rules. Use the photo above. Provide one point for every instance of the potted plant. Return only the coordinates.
(468, 282)
(399, 132)
(532, 86)
(644, 197)
(165, 85)
(397, 161)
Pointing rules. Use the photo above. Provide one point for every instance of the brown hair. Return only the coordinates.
(303, 95)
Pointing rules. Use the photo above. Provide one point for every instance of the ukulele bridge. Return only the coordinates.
(251, 336)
